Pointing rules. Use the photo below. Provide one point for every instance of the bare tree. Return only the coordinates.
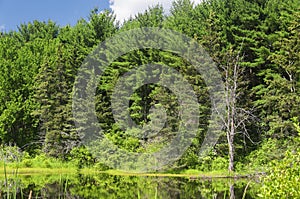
(236, 118)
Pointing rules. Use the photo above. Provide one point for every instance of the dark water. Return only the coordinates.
(113, 186)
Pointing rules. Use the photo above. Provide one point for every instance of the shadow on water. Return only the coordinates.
(114, 186)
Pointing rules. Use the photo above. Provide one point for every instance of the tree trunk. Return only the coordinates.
(231, 191)
(231, 135)
(231, 154)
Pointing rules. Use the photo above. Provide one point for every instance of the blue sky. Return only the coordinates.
(63, 12)
(15, 12)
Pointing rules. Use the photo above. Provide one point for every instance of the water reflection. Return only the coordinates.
(231, 191)
(114, 186)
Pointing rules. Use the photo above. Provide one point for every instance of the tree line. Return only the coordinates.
(255, 44)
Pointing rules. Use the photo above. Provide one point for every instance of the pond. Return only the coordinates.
(123, 186)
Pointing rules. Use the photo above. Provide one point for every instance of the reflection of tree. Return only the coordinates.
(231, 191)
(113, 186)
(109, 186)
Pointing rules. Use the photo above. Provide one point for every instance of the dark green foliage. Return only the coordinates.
(52, 93)
(38, 66)
(81, 157)
(283, 178)
(39, 63)
(280, 94)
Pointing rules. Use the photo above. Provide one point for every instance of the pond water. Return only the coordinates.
(114, 186)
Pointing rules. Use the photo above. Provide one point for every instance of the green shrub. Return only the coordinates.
(269, 150)
(101, 167)
(205, 164)
(47, 164)
(81, 157)
(27, 163)
(43, 161)
(10, 153)
(219, 164)
(283, 176)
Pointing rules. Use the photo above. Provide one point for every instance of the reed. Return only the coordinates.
(245, 190)
(11, 186)
(5, 172)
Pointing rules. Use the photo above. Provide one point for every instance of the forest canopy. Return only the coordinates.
(254, 43)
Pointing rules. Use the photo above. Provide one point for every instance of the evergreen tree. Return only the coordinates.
(279, 94)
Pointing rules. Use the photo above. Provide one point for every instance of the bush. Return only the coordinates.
(219, 164)
(101, 167)
(10, 153)
(81, 157)
(43, 161)
(27, 163)
(268, 151)
(205, 164)
(283, 176)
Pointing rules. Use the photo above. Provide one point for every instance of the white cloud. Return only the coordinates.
(126, 8)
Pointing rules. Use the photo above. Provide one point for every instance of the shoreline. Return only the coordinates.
(91, 171)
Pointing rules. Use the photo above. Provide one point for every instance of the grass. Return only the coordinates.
(32, 171)
(5, 171)
(8, 185)
(36, 166)
(191, 173)
(186, 173)
(17, 180)
(42, 176)
(45, 165)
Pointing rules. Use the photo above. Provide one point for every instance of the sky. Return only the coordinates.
(126, 8)
(63, 12)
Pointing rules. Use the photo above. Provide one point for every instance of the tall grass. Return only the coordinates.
(11, 185)
(245, 190)
(5, 172)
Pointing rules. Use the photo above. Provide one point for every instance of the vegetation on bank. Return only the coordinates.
(255, 45)
(120, 186)
(279, 179)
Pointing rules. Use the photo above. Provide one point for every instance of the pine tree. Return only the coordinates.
(279, 94)
(53, 94)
